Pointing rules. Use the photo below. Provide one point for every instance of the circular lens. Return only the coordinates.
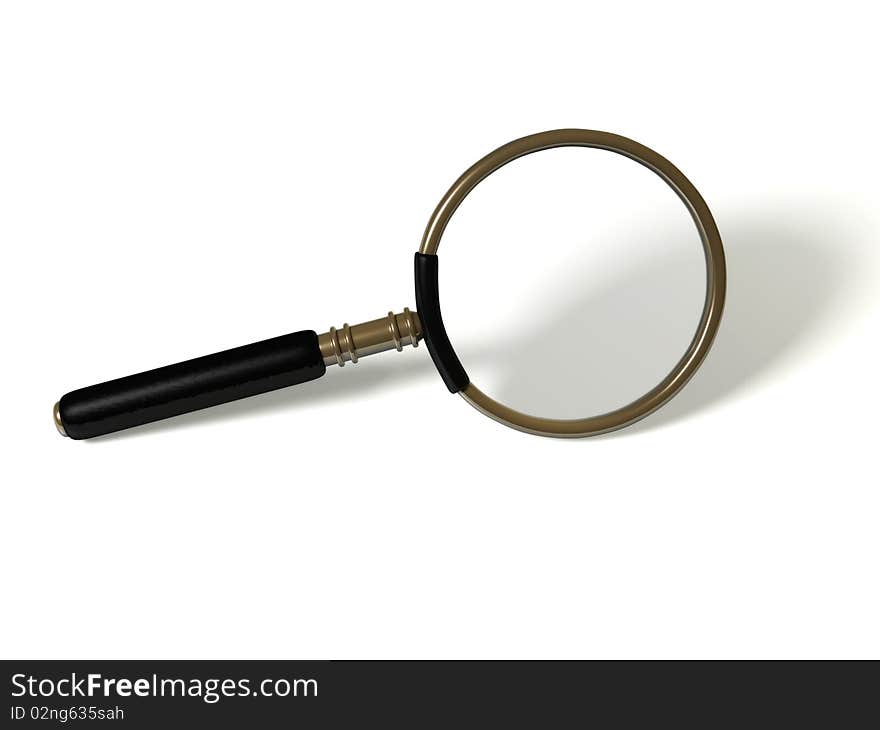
(572, 282)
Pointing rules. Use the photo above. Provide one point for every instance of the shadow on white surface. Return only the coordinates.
(794, 284)
(793, 275)
(793, 280)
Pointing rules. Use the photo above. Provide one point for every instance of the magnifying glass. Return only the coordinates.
(302, 356)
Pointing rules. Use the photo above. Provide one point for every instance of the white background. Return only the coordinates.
(178, 178)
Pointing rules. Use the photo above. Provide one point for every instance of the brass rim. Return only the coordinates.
(715, 277)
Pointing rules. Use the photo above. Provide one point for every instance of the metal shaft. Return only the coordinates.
(352, 342)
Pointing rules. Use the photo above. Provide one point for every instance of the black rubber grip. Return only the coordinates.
(191, 385)
(433, 331)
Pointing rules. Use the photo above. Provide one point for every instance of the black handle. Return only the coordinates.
(191, 385)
